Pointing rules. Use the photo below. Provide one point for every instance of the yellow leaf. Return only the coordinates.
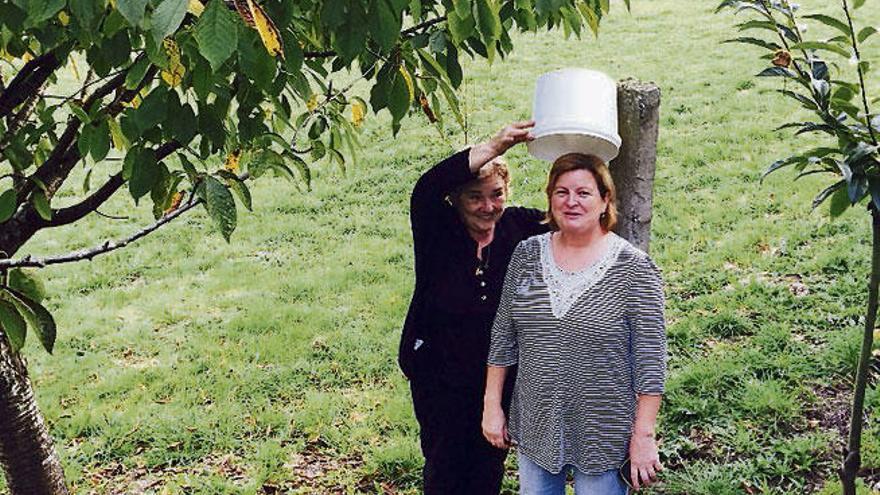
(27, 57)
(173, 75)
(119, 140)
(175, 202)
(232, 160)
(268, 32)
(195, 7)
(136, 101)
(75, 68)
(241, 6)
(409, 82)
(6, 56)
(63, 18)
(312, 104)
(358, 111)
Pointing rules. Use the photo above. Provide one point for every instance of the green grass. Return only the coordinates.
(188, 364)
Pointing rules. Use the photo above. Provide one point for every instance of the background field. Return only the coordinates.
(267, 365)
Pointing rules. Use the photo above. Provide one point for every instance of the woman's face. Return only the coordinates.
(575, 202)
(481, 203)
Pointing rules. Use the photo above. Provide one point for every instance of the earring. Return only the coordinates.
(603, 216)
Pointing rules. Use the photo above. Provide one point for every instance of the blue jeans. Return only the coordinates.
(535, 480)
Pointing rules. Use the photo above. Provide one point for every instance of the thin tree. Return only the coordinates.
(838, 99)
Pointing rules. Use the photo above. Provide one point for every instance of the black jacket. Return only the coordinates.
(447, 328)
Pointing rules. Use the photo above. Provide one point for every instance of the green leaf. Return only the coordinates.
(351, 38)
(144, 171)
(42, 10)
(84, 141)
(255, 62)
(220, 206)
(184, 124)
(776, 72)
(839, 202)
(216, 34)
(13, 325)
(238, 187)
(754, 41)
(830, 21)
(86, 11)
(488, 21)
(819, 45)
(865, 32)
(858, 3)
(398, 99)
(132, 10)
(7, 204)
(81, 114)
(152, 110)
(828, 191)
(385, 23)
(36, 316)
(757, 24)
(452, 101)
(460, 26)
(41, 204)
(25, 282)
(100, 141)
(304, 171)
(136, 73)
(191, 172)
(167, 18)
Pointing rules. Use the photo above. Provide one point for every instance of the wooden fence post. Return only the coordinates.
(638, 118)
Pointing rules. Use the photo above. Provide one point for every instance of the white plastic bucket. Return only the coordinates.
(575, 111)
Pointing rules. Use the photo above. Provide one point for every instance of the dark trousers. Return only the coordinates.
(458, 459)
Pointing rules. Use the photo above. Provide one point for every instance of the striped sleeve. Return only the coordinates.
(503, 347)
(645, 306)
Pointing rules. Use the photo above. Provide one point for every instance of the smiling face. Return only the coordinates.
(480, 203)
(576, 203)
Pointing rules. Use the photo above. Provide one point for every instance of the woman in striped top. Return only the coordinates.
(581, 313)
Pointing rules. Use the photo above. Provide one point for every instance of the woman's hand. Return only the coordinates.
(644, 459)
(510, 135)
(495, 427)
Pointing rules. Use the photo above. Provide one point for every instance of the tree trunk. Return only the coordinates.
(638, 117)
(27, 454)
(852, 458)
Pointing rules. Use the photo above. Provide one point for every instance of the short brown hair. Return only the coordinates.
(496, 166)
(594, 165)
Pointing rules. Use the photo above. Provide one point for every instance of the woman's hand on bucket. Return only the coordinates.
(495, 427)
(510, 135)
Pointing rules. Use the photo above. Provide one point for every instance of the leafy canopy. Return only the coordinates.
(183, 101)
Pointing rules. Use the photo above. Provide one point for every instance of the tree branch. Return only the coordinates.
(64, 156)
(73, 213)
(27, 81)
(855, 48)
(404, 33)
(106, 247)
(14, 122)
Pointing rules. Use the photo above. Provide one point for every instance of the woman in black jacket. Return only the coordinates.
(463, 238)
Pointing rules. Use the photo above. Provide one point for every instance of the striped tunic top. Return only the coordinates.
(586, 344)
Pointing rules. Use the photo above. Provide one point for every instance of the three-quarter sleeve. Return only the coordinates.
(503, 347)
(645, 306)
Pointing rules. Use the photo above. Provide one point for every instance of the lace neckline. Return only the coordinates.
(566, 287)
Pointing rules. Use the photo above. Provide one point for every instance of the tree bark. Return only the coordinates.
(638, 117)
(27, 454)
(852, 456)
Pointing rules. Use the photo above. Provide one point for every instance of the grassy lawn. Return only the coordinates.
(267, 365)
